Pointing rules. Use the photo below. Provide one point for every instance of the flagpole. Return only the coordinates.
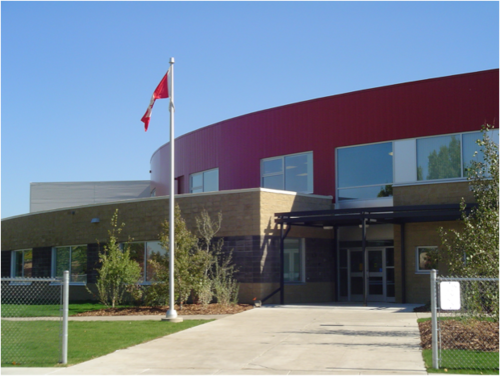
(171, 312)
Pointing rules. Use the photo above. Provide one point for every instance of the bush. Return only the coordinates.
(118, 273)
(202, 270)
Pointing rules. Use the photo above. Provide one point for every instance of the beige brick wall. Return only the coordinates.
(433, 193)
(417, 234)
(272, 203)
(245, 212)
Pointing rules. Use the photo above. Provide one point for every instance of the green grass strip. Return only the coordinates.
(48, 310)
(473, 362)
(36, 343)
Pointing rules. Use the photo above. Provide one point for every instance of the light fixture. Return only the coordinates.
(327, 227)
(95, 220)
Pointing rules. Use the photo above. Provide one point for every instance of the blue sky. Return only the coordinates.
(77, 76)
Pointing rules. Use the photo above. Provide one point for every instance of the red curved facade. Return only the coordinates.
(236, 146)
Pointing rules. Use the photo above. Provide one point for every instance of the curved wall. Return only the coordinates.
(443, 105)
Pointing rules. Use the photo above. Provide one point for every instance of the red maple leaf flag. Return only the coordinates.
(160, 92)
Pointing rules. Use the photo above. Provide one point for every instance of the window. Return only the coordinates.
(206, 181)
(365, 172)
(294, 268)
(73, 259)
(142, 252)
(22, 263)
(471, 150)
(425, 263)
(290, 173)
(448, 157)
(439, 157)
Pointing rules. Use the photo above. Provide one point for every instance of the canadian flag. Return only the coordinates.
(160, 92)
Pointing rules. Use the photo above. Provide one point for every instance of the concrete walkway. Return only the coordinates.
(325, 339)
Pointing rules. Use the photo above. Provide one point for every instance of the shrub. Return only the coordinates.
(118, 273)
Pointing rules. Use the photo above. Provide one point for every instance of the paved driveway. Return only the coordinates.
(289, 340)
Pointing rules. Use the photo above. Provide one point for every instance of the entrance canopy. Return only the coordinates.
(380, 215)
(362, 217)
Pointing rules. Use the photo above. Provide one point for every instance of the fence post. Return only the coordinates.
(435, 363)
(64, 341)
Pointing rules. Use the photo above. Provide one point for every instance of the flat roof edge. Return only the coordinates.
(228, 192)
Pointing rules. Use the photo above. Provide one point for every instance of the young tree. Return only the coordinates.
(207, 229)
(473, 251)
(219, 270)
(187, 261)
(118, 272)
(201, 266)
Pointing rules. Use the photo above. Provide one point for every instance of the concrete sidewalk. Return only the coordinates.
(274, 340)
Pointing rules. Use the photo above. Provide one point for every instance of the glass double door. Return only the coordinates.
(379, 278)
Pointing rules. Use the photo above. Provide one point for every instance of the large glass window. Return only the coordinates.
(294, 268)
(73, 259)
(290, 173)
(205, 181)
(439, 158)
(471, 151)
(142, 253)
(365, 172)
(22, 263)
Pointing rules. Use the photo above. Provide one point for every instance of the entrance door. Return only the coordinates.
(379, 282)
(356, 285)
(375, 276)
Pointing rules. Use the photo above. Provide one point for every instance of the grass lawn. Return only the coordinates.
(47, 310)
(36, 343)
(477, 362)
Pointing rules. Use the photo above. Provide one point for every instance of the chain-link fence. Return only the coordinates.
(32, 321)
(464, 322)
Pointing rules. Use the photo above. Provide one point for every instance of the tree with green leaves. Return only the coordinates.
(219, 269)
(202, 269)
(118, 272)
(188, 262)
(473, 251)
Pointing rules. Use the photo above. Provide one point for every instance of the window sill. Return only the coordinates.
(295, 283)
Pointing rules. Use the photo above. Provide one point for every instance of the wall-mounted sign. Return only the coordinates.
(449, 296)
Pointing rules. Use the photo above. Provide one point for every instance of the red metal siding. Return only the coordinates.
(424, 108)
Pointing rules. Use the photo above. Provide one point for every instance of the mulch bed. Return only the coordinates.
(458, 335)
(187, 309)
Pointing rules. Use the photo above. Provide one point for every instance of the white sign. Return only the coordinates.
(449, 295)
